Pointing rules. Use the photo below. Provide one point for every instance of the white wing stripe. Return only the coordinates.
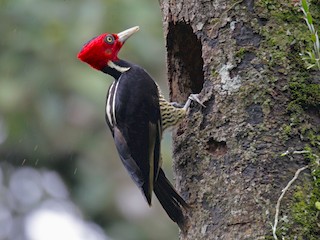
(108, 105)
(114, 101)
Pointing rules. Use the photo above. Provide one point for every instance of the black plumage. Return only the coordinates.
(134, 117)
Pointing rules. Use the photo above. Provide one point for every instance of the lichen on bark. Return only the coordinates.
(260, 101)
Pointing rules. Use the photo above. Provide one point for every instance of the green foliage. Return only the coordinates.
(312, 57)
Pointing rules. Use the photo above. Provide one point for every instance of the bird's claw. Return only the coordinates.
(194, 97)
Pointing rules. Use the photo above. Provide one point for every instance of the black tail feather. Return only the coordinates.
(170, 200)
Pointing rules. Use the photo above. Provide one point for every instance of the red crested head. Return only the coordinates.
(104, 48)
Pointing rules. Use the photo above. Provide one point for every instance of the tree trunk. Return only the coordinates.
(233, 158)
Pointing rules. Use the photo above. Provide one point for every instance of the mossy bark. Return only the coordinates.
(242, 57)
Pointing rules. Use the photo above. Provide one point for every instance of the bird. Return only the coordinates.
(137, 114)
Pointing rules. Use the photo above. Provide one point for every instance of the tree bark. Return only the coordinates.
(233, 158)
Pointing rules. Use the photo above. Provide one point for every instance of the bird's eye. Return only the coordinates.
(109, 39)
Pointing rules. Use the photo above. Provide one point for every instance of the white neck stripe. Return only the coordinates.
(117, 67)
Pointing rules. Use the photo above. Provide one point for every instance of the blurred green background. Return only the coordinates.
(52, 117)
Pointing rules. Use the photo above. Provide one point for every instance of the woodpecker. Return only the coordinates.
(137, 114)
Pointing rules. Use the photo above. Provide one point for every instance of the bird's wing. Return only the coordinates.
(127, 159)
(137, 129)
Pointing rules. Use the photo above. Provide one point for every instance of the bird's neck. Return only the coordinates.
(116, 68)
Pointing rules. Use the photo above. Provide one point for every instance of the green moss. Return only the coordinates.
(315, 11)
(281, 33)
(269, 4)
(313, 138)
(304, 216)
(305, 213)
(304, 98)
(287, 129)
(214, 73)
(284, 36)
(240, 53)
(305, 95)
(286, 132)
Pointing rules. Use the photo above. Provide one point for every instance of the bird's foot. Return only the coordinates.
(195, 97)
(177, 105)
(192, 97)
